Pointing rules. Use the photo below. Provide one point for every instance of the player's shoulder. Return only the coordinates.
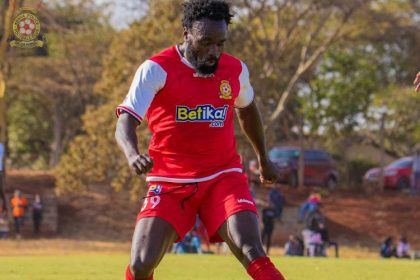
(231, 61)
(166, 56)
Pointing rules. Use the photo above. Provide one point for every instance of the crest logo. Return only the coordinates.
(156, 189)
(27, 30)
(225, 90)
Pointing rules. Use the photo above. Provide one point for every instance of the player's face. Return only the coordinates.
(204, 44)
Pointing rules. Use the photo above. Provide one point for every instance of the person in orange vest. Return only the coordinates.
(18, 204)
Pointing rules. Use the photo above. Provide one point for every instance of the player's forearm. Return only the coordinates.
(126, 137)
(251, 123)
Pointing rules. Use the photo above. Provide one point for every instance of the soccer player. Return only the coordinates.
(189, 93)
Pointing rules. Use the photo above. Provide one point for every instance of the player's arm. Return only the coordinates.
(126, 137)
(251, 123)
(148, 80)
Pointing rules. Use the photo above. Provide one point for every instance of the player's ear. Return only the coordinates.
(186, 32)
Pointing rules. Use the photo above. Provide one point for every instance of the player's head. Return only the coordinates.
(18, 193)
(205, 25)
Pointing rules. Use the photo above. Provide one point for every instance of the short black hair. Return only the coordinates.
(211, 9)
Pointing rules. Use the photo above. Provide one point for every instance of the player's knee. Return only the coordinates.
(142, 269)
(252, 249)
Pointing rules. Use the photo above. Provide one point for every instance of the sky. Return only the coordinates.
(122, 12)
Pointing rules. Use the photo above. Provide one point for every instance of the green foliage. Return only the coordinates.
(357, 169)
(274, 40)
(94, 156)
(401, 105)
(96, 150)
(342, 91)
(48, 94)
(29, 130)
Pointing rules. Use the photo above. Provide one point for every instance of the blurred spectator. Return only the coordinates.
(190, 244)
(37, 209)
(326, 242)
(268, 216)
(294, 246)
(388, 248)
(314, 219)
(315, 244)
(310, 205)
(201, 232)
(19, 205)
(254, 174)
(222, 248)
(306, 234)
(4, 224)
(403, 248)
(276, 199)
(415, 174)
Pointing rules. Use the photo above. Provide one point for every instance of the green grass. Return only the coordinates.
(111, 267)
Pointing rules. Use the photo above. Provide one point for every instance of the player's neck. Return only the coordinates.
(181, 49)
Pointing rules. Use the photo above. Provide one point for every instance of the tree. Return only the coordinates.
(283, 42)
(60, 82)
(94, 156)
(340, 96)
(6, 12)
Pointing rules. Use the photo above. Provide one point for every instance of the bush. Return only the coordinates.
(357, 168)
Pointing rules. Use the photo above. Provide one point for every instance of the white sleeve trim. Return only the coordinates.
(246, 92)
(148, 80)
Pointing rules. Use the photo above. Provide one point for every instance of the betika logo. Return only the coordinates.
(202, 113)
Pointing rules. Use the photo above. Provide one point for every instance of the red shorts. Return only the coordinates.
(214, 201)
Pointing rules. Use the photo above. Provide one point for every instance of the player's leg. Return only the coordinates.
(241, 233)
(229, 214)
(151, 238)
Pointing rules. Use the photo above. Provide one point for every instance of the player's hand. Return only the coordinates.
(417, 82)
(140, 164)
(268, 172)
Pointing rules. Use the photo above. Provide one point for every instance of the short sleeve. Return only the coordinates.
(150, 77)
(246, 92)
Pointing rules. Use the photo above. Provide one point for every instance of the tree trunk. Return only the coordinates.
(301, 164)
(382, 154)
(57, 145)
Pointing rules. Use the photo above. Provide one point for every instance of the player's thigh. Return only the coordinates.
(227, 196)
(151, 238)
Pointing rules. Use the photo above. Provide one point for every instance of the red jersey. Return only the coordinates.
(191, 116)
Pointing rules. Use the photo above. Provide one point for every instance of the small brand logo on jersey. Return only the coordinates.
(243, 200)
(202, 113)
(156, 189)
(225, 90)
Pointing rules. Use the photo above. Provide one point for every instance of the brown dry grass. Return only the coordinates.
(62, 247)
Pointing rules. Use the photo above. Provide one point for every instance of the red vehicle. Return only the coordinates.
(396, 175)
(319, 168)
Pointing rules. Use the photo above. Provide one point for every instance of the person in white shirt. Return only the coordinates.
(403, 248)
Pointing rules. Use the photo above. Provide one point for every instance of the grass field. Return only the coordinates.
(206, 267)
